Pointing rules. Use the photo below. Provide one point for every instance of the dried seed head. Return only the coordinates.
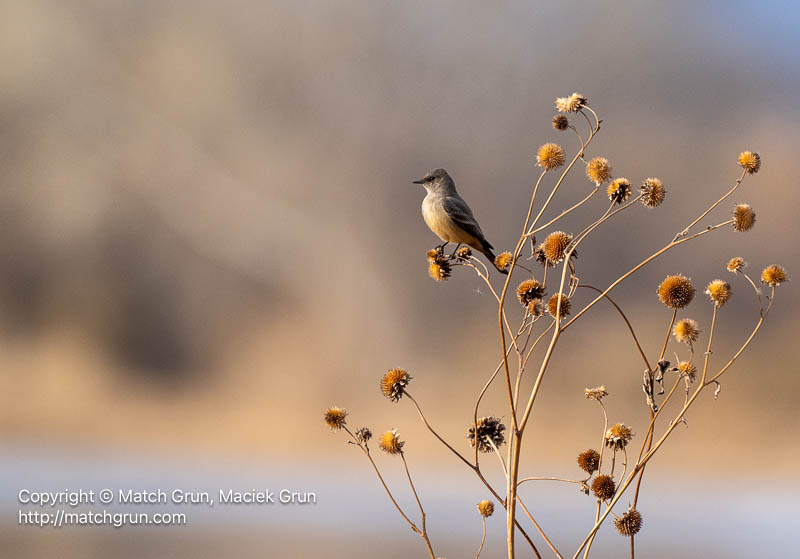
(618, 436)
(439, 268)
(604, 487)
(743, 218)
(589, 460)
(363, 435)
(503, 261)
(335, 418)
(629, 523)
(390, 442)
(486, 508)
(719, 292)
(676, 291)
(571, 104)
(687, 369)
(736, 264)
(394, 383)
(529, 290)
(535, 308)
(653, 193)
(552, 305)
(550, 156)
(541, 257)
(597, 393)
(750, 161)
(686, 331)
(619, 190)
(598, 170)
(560, 122)
(555, 246)
(490, 431)
(773, 275)
(464, 253)
(434, 253)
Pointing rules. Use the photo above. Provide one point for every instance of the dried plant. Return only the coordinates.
(562, 296)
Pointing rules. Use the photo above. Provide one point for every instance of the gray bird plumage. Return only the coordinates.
(449, 216)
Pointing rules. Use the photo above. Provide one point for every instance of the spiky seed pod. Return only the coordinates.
(676, 291)
(489, 429)
(653, 193)
(390, 442)
(719, 292)
(551, 156)
(618, 436)
(555, 246)
(552, 305)
(736, 264)
(619, 190)
(598, 170)
(535, 308)
(486, 508)
(464, 253)
(687, 369)
(440, 268)
(750, 161)
(394, 383)
(686, 331)
(434, 253)
(629, 523)
(773, 275)
(604, 487)
(503, 260)
(597, 393)
(528, 291)
(363, 435)
(560, 122)
(571, 104)
(335, 418)
(743, 218)
(589, 460)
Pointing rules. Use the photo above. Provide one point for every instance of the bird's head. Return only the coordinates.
(436, 180)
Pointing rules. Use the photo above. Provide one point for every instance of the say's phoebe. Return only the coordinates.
(449, 216)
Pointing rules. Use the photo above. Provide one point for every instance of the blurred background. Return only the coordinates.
(210, 235)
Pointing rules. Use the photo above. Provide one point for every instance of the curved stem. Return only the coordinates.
(424, 532)
(483, 538)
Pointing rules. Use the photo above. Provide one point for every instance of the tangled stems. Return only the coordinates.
(705, 382)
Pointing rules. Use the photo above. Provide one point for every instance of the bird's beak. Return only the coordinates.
(420, 181)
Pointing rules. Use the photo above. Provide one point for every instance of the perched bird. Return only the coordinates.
(450, 217)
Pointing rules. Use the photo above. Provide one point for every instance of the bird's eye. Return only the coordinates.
(428, 179)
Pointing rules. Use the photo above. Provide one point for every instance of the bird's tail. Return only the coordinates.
(487, 251)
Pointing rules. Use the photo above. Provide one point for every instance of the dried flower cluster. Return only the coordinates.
(486, 508)
(676, 291)
(550, 156)
(490, 432)
(503, 261)
(529, 291)
(629, 523)
(686, 331)
(394, 383)
(598, 170)
(553, 308)
(571, 104)
(619, 190)
(589, 461)
(390, 442)
(719, 292)
(618, 436)
(652, 192)
(604, 487)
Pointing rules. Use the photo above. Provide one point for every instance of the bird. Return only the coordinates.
(449, 216)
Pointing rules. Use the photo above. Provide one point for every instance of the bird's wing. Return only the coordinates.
(458, 210)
